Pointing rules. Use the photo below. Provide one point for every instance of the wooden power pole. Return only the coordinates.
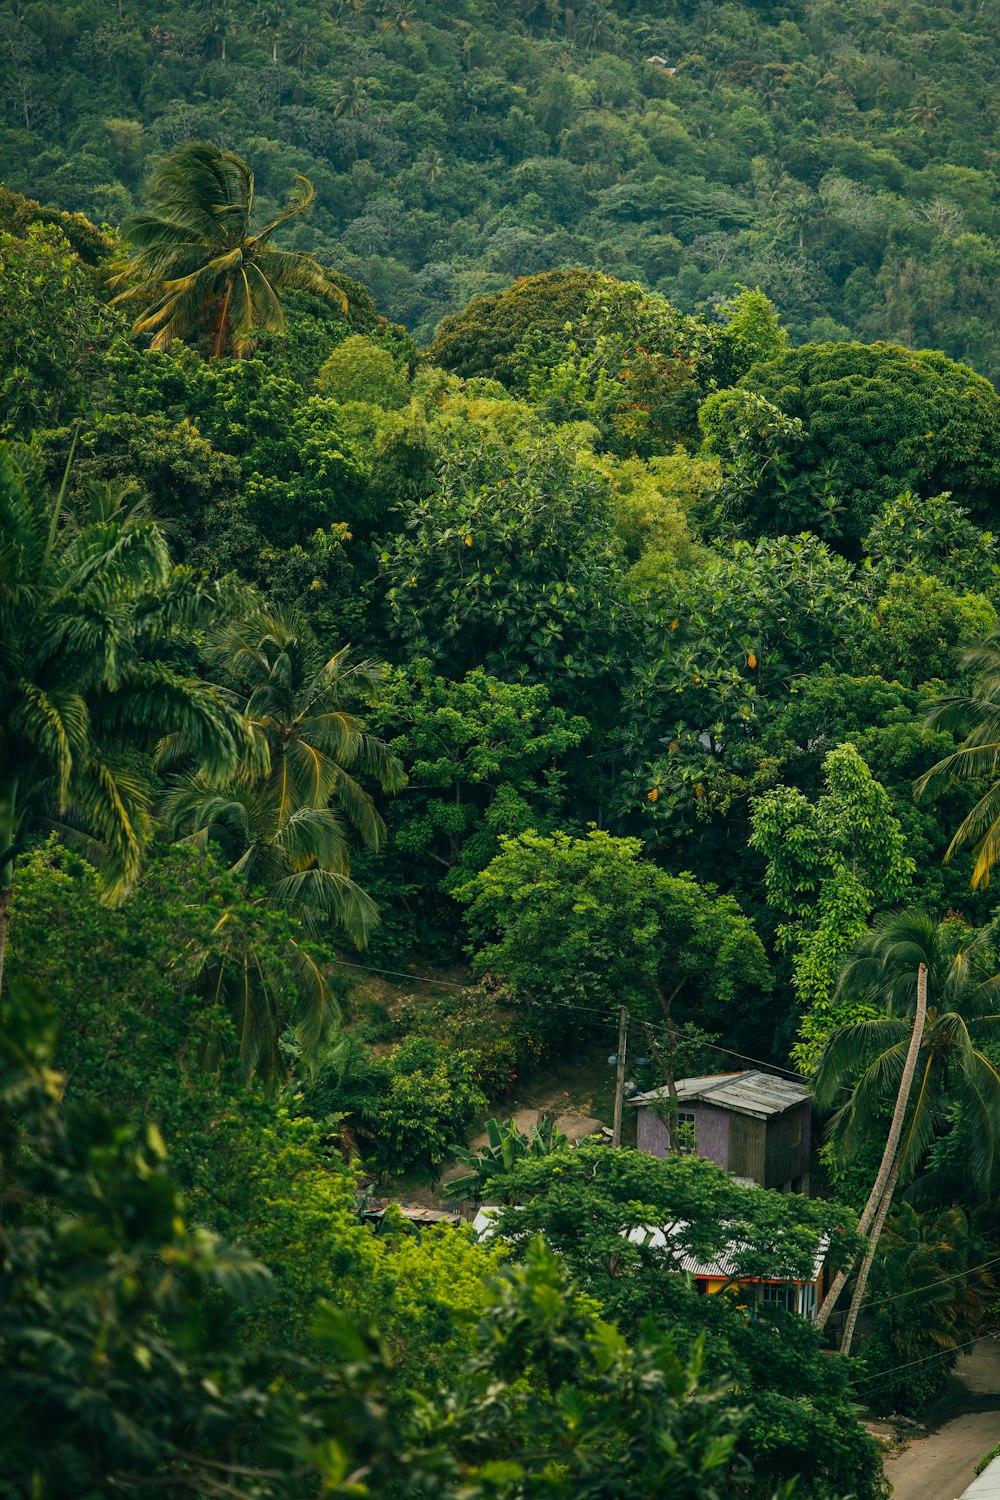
(616, 1133)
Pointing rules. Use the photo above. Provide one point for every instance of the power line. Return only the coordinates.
(452, 984)
(730, 1052)
(448, 984)
(941, 1281)
(943, 1354)
(588, 1010)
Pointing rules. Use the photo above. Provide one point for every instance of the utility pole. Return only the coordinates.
(616, 1134)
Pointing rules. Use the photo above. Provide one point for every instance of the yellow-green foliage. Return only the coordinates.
(265, 1176)
(917, 625)
(652, 502)
(359, 370)
(435, 1294)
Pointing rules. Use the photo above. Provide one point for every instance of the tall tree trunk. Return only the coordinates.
(866, 1264)
(871, 1208)
(222, 326)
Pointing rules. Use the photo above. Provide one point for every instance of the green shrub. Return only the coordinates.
(431, 1099)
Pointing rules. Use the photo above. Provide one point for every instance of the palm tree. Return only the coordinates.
(432, 165)
(269, 21)
(924, 112)
(885, 1179)
(196, 268)
(286, 832)
(978, 757)
(88, 596)
(350, 100)
(908, 964)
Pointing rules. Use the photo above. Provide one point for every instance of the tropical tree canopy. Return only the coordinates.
(89, 603)
(195, 267)
(977, 759)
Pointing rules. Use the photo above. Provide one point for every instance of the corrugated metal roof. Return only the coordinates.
(727, 1263)
(748, 1093)
(413, 1214)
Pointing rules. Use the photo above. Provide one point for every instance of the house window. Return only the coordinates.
(780, 1294)
(795, 1136)
(685, 1132)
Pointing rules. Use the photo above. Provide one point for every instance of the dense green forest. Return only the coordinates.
(837, 153)
(427, 627)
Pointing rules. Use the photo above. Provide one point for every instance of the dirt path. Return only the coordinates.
(941, 1466)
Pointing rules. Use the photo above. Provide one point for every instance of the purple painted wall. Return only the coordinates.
(712, 1137)
(711, 1133)
(650, 1133)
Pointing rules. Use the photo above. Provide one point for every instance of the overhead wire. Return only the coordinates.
(911, 1364)
(941, 1281)
(589, 1010)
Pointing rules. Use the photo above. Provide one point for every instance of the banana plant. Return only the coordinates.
(505, 1146)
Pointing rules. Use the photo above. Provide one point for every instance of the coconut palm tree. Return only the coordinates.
(907, 963)
(286, 832)
(196, 269)
(87, 598)
(885, 1178)
(349, 99)
(977, 714)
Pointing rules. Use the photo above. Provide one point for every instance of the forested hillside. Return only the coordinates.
(495, 569)
(840, 154)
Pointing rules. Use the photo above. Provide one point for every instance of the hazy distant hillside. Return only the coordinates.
(841, 154)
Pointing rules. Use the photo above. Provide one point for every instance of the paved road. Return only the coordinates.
(941, 1466)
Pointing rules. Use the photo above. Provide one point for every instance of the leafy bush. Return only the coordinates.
(431, 1098)
(399, 1111)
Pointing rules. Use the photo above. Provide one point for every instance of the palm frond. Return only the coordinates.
(293, 271)
(154, 703)
(314, 838)
(918, 1133)
(115, 807)
(316, 1012)
(360, 810)
(56, 724)
(267, 309)
(302, 198)
(334, 897)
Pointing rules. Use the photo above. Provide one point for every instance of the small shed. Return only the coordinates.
(755, 1125)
